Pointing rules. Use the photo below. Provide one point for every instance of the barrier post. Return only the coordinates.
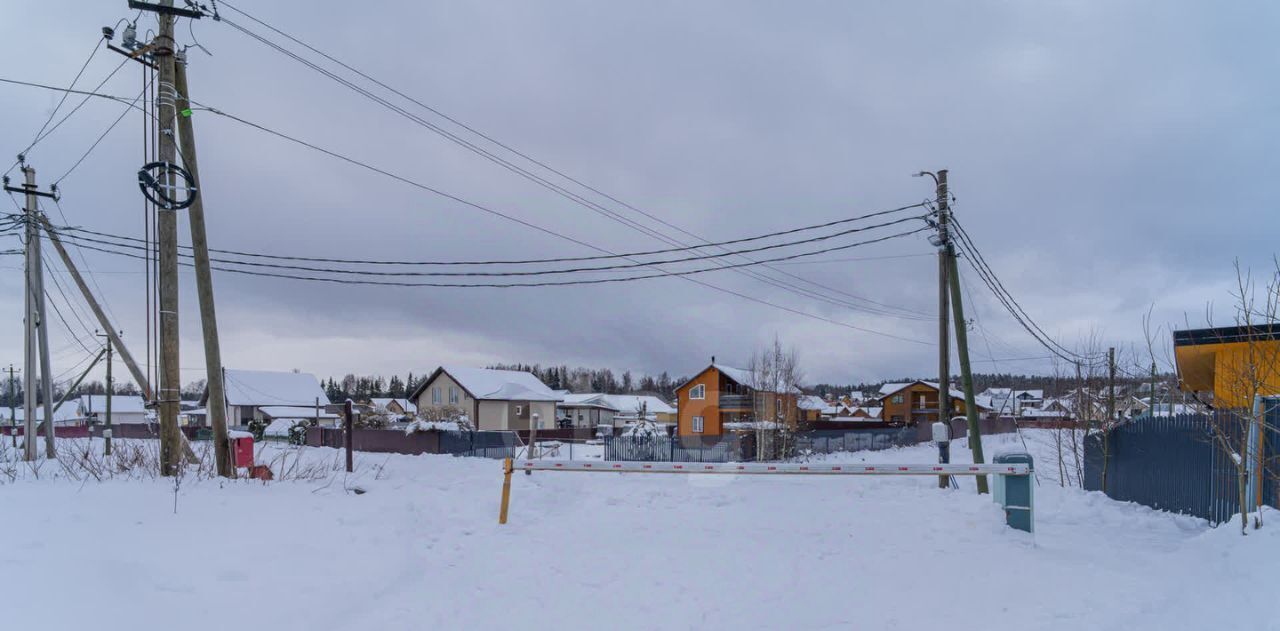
(1015, 492)
(507, 468)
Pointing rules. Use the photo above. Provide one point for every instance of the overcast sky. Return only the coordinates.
(1107, 157)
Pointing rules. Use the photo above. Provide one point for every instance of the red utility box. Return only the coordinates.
(242, 451)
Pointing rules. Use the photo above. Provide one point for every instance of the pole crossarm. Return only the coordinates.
(781, 468)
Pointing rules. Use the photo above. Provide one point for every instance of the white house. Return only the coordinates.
(492, 399)
(288, 394)
(588, 410)
(65, 415)
(630, 407)
(393, 406)
(124, 409)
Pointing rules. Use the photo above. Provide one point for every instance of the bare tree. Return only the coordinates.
(1244, 377)
(775, 381)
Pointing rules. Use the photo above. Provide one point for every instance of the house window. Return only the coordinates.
(435, 396)
(698, 392)
(519, 410)
(697, 424)
(897, 398)
(453, 395)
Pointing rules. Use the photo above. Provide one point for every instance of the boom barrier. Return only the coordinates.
(1012, 471)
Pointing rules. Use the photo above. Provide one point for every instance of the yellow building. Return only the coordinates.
(1234, 363)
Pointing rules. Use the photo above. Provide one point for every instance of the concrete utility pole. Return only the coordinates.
(37, 333)
(216, 408)
(170, 388)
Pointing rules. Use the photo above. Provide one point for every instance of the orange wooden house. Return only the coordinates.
(916, 403)
(719, 396)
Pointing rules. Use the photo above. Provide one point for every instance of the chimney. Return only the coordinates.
(713, 359)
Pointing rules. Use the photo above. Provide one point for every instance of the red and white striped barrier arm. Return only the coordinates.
(764, 468)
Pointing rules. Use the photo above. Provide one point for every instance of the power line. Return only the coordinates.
(851, 259)
(97, 46)
(737, 294)
(103, 135)
(522, 222)
(63, 319)
(594, 281)
(614, 267)
(65, 299)
(88, 271)
(88, 95)
(566, 259)
(978, 263)
(882, 308)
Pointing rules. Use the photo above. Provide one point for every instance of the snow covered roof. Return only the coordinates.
(499, 385)
(737, 374)
(383, 402)
(585, 400)
(65, 413)
(97, 403)
(890, 388)
(629, 403)
(295, 412)
(266, 387)
(811, 402)
(856, 419)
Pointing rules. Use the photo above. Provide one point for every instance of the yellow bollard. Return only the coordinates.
(507, 468)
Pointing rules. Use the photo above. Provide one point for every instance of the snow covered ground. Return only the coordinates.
(421, 548)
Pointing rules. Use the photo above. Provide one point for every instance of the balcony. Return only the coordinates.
(732, 401)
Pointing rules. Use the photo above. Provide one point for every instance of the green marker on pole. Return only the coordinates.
(187, 112)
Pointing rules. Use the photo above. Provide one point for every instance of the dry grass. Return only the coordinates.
(83, 460)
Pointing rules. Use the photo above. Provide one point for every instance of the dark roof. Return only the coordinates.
(1227, 334)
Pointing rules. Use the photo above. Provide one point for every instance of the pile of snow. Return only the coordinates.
(436, 426)
(280, 427)
(789, 552)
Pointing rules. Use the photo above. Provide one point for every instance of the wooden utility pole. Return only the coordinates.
(170, 388)
(944, 344)
(350, 427)
(947, 256)
(13, 415)
(216, 407)
(966, 375)
(1151, 399)
(1111, 388)
(106, 430)
(113, 334)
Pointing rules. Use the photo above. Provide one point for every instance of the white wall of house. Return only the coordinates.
(489, 415)
(493, 415)
(442, 386)
(546, 411)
